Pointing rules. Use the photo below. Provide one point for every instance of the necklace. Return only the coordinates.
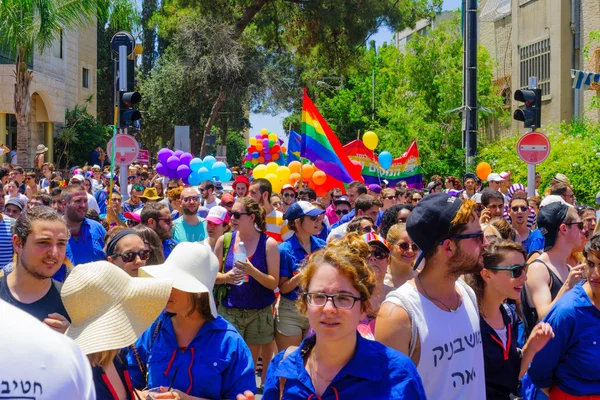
(312, 367)
(436, 300)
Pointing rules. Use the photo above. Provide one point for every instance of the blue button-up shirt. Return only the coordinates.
(89, 245)
(168, 246)
(374, 372)
(571, 360)
(217, 363)
(346, 218)
(291, 256)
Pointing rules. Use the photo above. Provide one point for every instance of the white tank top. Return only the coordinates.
(451, 362)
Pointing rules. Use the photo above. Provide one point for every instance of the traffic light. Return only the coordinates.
(127, 113)
(531, 114)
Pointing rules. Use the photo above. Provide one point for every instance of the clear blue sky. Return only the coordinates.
(273, 123)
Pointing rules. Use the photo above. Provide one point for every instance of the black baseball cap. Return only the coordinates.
(549, 219)
(430, 221)
(342, 200)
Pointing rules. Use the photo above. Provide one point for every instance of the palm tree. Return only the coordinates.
(29, 26)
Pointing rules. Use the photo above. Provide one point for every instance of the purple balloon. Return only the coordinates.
(164, 154)
(267, 157)
(173, 174)
(178, 153)
(265, 143)
(185, 158)
(183, 171)
(173, 162)
(162, 169)
(185, 180)
(258, 137)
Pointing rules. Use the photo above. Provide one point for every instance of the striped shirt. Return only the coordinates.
(277, 227)
(6, 247)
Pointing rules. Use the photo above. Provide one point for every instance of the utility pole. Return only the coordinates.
(373, 94)
(470, 122)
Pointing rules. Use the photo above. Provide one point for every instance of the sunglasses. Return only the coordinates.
(292, 195)
(337, 197)
(405, 246)
(378, 253)
(237, 214)
(342, 212)
(191, 198)
(169, 219)
(476, 235)
(580, 224)
(519, 208)
(138, 188)
(230, 204)
(367, 229)
(515, 270)
(131, 255)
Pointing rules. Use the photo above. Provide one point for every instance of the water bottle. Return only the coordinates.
(239, 254)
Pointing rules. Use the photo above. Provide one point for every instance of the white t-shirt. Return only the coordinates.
(39, 363)
(215, 203)
(92, 203)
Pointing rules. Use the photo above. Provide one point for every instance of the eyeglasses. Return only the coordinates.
(405, 246)
(579, 224)
(292, 195)
(167, 219)
(342, 212)
(515, 270)
(230, 204)
(378, 253)
(237, 214)
(131, 255)
(28, 178)
(341, 301)
(190, 198)
(519, 208)
(476, 235)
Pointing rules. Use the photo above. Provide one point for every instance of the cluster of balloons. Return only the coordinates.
(295, 171)
(263, 148)
(191, 170)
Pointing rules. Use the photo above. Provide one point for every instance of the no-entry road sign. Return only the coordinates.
(126, 150)
(533, 147)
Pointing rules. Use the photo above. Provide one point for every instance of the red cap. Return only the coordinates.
(242, 179)
(288, 186)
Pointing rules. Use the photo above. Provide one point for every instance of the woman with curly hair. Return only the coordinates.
(392, 216)
(336, 362)
(453, 183)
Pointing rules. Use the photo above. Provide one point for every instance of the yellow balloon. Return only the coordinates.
(264, 131)
(252, 141)
(272, 168)
(260, 171)
(275, 182)
(283, 173)
(370, 140)
(273, 137)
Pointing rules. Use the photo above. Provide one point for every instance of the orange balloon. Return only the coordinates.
(261, 160)
(295, 166)
(483, 170)
(294, 177)
(319, 177)
(283, 149)
(307, 172)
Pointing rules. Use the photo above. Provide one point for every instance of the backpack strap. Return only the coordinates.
(226, 244)
(282, 381)
(138, 359)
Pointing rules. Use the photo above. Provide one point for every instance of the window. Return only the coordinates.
(535, 61)
(57, 46)
(85, 78)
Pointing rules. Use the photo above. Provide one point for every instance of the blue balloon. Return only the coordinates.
(204, 174)
(194, 178)
(385, 159)
(218, 169)
(227, 176)
(196, 164)
(209, 161)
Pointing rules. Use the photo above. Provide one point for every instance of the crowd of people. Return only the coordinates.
(153, 289)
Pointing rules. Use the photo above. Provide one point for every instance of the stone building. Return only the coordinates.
(64, 76)
(543, 38)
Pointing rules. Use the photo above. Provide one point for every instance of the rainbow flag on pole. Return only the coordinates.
(321, 146)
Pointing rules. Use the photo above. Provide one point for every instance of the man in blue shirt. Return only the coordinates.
(355, 189)
(87, 236)
(157, 217)
(518, 209)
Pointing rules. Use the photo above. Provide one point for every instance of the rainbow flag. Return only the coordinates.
(321, 146)
(294, 146)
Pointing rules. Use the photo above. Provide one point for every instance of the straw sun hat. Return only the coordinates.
(109, 309)
(192, 267)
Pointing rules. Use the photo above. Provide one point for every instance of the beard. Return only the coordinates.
(32, 271)
(187, 211)
(463, 263)
(74, 216)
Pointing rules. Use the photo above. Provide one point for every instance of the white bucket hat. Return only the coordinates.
(109, 309)
(192, 267)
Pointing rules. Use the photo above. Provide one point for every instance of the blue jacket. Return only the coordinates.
(375, 372)
(571, 359)
(89, 246)
(216, 365)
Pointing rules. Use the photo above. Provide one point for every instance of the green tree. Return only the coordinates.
(31, 26)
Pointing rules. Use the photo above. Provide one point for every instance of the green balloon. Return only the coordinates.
(271, 143)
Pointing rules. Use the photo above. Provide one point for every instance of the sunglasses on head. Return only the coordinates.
(515, 270)
(519, 208)
(131, 255)
(405, 246)
(342, 212)
(378, 253)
